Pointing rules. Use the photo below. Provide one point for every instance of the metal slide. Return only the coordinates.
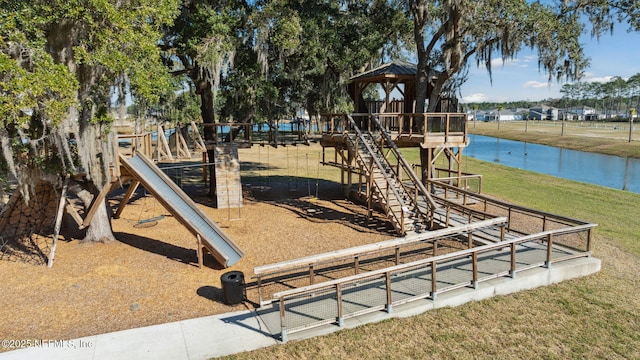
(180, 205)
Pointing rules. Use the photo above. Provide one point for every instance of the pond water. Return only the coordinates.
(604, 170)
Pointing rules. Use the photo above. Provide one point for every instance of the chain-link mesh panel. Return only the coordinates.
(410, 284)
(308, 309)
(362, 295)
(531, 253)
(453, 273)
(494, 262)
(570, 243)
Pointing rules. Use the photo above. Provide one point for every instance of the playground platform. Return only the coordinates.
(232, 333)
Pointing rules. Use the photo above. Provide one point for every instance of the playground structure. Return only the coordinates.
(451, 236)
(487, 239)
(136, 156)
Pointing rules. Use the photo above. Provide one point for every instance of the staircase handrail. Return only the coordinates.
(378, 164)
(405, 164)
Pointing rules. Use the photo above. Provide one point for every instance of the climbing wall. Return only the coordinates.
(227, 175)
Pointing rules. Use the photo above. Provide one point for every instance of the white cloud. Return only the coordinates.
(535, 84)
(482, 97)
(474, 98)
(515, 62)
(591, 77)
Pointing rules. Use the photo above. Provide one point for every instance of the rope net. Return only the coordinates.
(26, 228)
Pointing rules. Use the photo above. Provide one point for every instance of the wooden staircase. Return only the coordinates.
(385, 187)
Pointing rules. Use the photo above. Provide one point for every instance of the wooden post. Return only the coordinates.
(389, 304)
(56, 232)
(340, 319)
(549, 244)
(74, 214)
(474, 265)
(512, 271)
(197, 137)
(182, 149)
(97, 201)
(283, 328)
(199, 251)
(433, 280)
(125, 199)
(162, 146)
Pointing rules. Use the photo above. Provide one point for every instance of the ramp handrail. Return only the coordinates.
(501, 208)
(382, 279)
(315, 263)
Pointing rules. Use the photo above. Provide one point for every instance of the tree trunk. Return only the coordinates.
(93, 143)
(434, 97)
(203, 88)
(99, 229)
(422, 71)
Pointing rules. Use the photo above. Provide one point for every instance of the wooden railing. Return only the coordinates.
(137, 142)
(445, 126)
(467, 181)
(521, 220)
(388, 191)
(373, 291)
(353, 257)
(420, 190)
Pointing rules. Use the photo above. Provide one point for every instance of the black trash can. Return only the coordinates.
(233, 287)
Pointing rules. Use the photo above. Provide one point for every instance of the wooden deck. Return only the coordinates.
(407, 130)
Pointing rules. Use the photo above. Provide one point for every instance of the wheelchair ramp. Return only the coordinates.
(180, 205)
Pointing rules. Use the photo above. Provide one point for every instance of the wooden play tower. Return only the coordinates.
(367, 146)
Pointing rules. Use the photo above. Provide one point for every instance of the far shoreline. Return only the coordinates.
(608, 138)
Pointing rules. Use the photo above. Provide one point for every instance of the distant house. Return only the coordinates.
(579, 113)
(505, 115)
(480, 115)
(543, 112)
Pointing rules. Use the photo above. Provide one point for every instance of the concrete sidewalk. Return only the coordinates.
(227, 334)
(201, 338)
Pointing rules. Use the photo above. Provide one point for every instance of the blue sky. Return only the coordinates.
(520, 79)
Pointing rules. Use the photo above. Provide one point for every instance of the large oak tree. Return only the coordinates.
(60, 63)
(451, 34)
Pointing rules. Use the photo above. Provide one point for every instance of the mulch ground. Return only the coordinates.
(150, 274)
